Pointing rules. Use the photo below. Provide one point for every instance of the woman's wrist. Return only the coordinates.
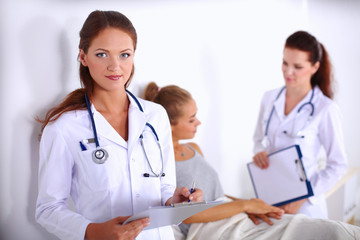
(90, 230)
(242, 204)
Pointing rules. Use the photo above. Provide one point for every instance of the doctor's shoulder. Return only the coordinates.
(271, 95)
(153, 111)
(68, 122)
(325, 104)
(327, 107)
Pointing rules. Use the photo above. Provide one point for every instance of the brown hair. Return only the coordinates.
(304, 41)
(96, 22)
(171, 97)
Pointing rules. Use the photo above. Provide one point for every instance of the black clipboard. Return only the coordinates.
(284, 181)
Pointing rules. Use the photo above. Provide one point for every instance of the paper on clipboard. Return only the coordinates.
(170, 215)
(284, 181)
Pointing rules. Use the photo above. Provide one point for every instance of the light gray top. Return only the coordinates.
(205, 177)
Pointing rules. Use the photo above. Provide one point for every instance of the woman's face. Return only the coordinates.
(110, 59)
(297, 69)
(187, 124)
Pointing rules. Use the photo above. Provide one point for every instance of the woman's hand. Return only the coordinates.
(293, 207)
(257, 208)
(113, 229)
(183, 194)
(261, 160)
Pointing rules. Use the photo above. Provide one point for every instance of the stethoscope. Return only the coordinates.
(266, 141)
(100, 155)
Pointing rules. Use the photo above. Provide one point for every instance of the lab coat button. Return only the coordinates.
(137, 195)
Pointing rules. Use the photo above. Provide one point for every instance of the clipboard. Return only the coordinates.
(172, 215)
(284, 181)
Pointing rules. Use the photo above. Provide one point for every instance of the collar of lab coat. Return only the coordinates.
(279, 104)
(137, 122)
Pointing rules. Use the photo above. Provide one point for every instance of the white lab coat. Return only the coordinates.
(103, 191)
(324, 130)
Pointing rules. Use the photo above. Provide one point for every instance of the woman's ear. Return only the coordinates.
(315, 67)
(82, 57)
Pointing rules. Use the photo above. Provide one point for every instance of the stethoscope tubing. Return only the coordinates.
(272, 111)
(100, 155)
(297, 113)
(92, 121)
(147, 159)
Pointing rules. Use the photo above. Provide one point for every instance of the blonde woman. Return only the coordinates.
(236, 218)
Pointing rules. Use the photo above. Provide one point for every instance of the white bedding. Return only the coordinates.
(290, 227)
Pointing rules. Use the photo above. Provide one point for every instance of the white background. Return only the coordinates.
(226, 53)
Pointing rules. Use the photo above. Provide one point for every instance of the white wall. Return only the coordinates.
(226, 54)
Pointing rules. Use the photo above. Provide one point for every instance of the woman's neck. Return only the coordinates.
(293, 97)
(179, 151)
(298, 92)
(114, 107)
(110, 102)
(176, 144)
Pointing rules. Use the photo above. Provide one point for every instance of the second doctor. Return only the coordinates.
(303, 113)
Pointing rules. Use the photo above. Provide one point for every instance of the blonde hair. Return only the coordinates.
(171, 97)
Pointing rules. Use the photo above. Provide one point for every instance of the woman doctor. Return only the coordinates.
(303, 112)
(108, 150)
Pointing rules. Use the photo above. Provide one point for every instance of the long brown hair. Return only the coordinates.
(306, 42)
(96, 22)
(171, 97)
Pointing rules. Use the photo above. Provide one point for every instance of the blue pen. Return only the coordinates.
(192, 189)
(82, 146)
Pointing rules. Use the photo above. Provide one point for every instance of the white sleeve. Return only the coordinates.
(259, 129)
(168, 183)
(331, 137)
(54, 183)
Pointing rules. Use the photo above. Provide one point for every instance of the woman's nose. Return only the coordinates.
(288, 71)
(114, 64)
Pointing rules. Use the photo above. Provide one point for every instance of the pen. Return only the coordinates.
(192, 189)
(82, 146)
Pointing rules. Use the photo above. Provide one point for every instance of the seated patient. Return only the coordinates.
(229, 220)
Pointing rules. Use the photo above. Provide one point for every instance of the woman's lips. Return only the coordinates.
(114, 77)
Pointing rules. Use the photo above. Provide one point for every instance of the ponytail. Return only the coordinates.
(171, 97)
(151, 91)
(324, 76)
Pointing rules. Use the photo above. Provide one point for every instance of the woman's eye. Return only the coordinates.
(102, 55)
(298, 67)
(125, 55)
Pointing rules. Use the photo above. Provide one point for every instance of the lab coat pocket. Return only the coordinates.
(98, 177)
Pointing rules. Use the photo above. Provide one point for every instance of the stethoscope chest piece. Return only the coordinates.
(265, 142)
(100, 155)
